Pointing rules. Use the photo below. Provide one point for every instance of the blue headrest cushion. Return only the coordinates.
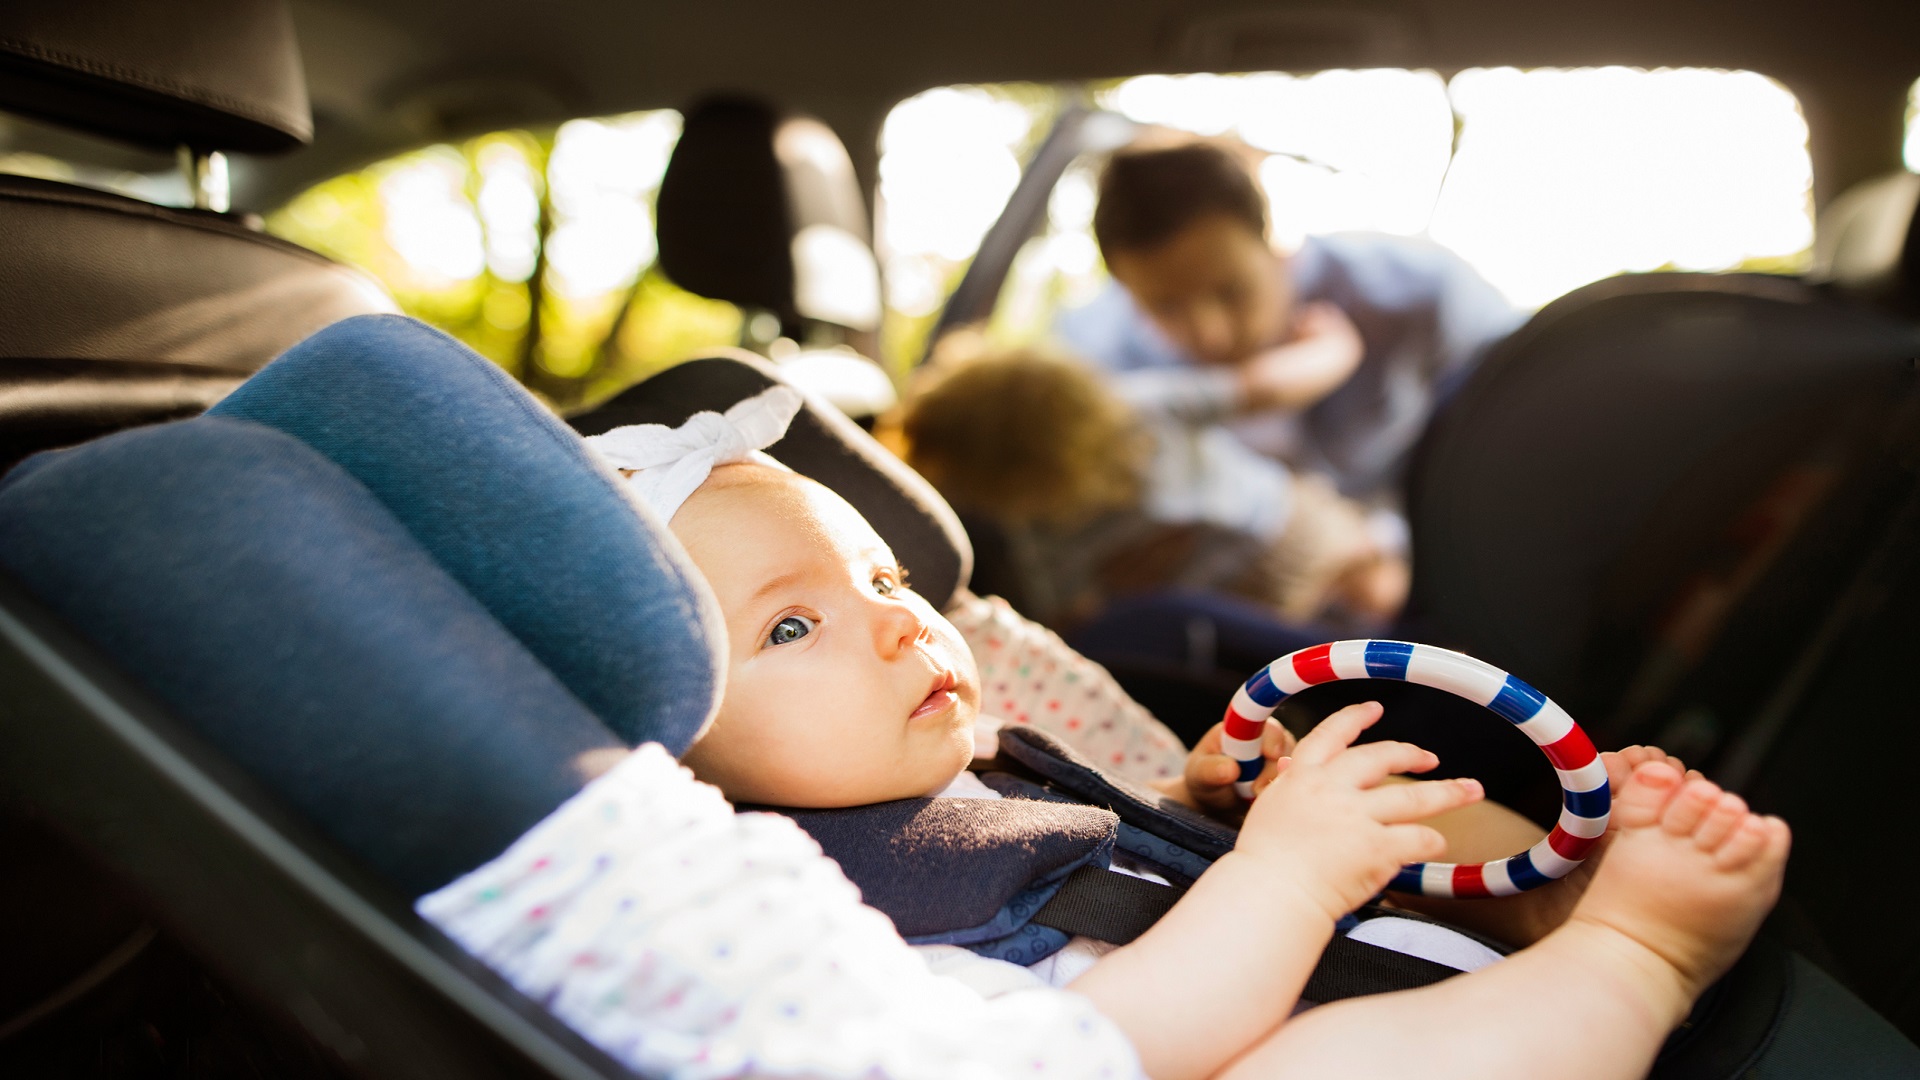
(504, 497)
(276, 608)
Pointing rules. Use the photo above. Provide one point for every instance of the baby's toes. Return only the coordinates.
(1690, 807)
(1748, 841)
(1645, 795)
(1728, 813)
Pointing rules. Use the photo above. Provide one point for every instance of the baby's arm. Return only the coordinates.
(1228, 963)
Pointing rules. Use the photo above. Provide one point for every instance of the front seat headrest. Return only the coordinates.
(214, 75)
(762, 209)
(1868, 242)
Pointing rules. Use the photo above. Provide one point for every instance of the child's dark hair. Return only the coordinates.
(1148, 193)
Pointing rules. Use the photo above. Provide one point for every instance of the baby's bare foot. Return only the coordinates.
(1689, 873)
(1530, 916)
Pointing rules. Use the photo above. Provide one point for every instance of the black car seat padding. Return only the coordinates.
(227, 77)
(823, 444)
(1867, 244)
(1598, 456)
(744, 182)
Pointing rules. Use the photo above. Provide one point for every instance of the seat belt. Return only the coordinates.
(1113, 907)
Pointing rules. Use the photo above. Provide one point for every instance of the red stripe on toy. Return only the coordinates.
(1568, 846)
(1573, 751)
(1314, 666)
(1243, 728)
(1470, 881)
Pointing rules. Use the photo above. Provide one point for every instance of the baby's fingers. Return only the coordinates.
(1365, 766)
(1414, 843)
(1395, 804)
(1337, 732)
(1210, 779)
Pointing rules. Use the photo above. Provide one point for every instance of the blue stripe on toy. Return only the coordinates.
(1517, 701)
(1250, 770)
(1588, 804)
(1521, 872)
(1388, 659)
(1261, 689)
(1408, 879)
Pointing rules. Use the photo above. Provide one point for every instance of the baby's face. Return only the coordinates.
(844, 687)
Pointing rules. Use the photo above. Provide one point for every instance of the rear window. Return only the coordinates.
(1544, 180)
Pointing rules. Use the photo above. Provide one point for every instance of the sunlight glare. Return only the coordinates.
(429, 221)
(947, 165)
(1566, 177)
(604, 174)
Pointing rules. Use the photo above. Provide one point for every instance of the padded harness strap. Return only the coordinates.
(1107, 906)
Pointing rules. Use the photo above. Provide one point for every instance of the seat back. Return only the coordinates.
(243, 677)
(1867, 245)
(761, 208)
(1653, 472)
(118, 312)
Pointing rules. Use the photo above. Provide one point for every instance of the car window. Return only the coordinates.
(1544, 180)
(1911, 148)
(534, 247)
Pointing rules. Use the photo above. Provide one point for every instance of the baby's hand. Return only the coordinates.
(1207, 782)
(1330, 824)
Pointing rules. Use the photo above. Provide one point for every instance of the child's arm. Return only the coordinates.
(1324, 352)
(1228, 962)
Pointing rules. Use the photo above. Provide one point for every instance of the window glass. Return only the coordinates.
(1543, 180)
(1911, 151)
(535, 248)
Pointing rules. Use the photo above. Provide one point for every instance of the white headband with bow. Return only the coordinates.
(668, 465)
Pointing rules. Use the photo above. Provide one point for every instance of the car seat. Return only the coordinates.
(282, 711)
(120, 312)
(1675, 501)
(761, 208)
(1867, 244)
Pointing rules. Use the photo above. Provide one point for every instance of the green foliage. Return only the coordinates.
(573, 348)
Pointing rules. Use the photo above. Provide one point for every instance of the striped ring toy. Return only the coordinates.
(1583, 780)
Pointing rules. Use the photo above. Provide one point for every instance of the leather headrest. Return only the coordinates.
(763, 209)
(214, 75)
(1868, 241)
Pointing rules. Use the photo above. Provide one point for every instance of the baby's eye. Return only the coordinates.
(888, 582)
(791, 628)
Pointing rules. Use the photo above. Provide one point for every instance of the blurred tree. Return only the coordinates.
(534, 248)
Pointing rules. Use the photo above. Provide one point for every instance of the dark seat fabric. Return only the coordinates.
(506, 500)
(1867, 244)
(1636, 442)
(823, 444)
(119, 312)
(761, 208)
(271, 603)
(226, 78)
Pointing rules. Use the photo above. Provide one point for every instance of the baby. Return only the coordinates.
(844, 688)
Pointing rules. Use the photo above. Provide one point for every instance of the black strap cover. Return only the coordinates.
(1107, 906)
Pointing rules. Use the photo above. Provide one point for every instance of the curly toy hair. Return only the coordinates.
(1022, 435)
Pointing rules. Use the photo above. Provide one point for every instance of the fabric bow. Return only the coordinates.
(666, 465)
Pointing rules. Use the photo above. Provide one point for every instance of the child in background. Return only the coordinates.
(1107, 497)
(1331, 358)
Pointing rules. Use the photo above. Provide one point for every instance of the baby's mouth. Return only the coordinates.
(941, 698)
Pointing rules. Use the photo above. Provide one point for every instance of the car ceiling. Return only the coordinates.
(386, 75)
